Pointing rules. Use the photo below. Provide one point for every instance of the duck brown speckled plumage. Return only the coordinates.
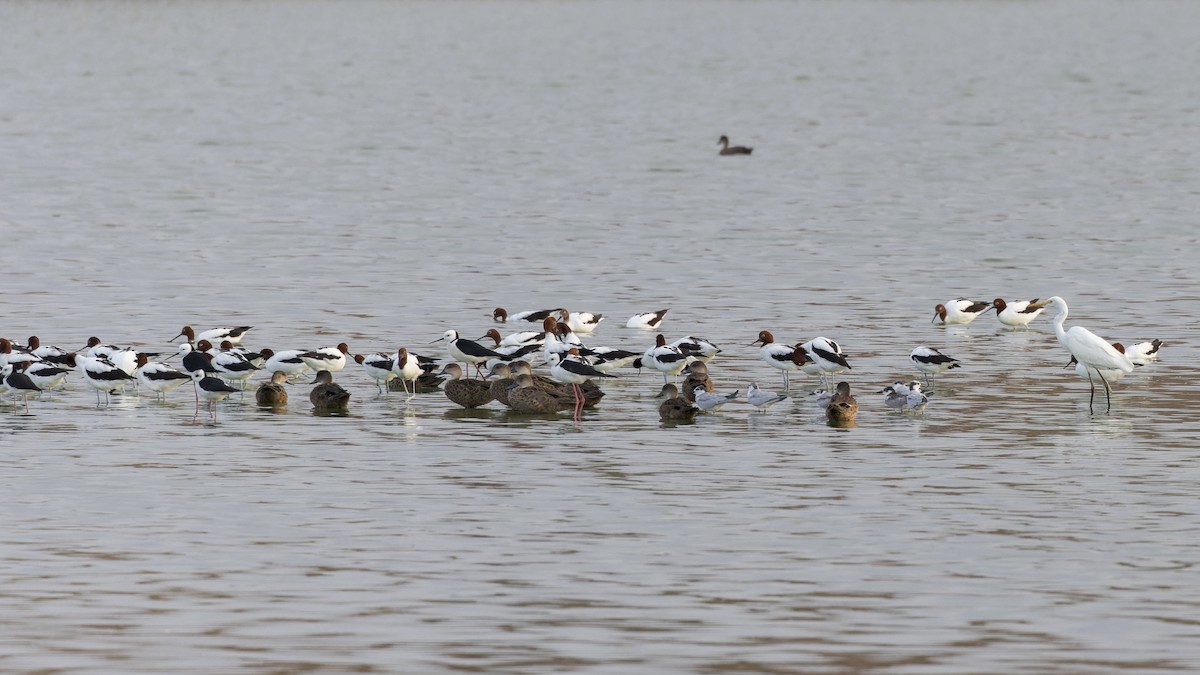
(499, 382)
(327, 395)
(591, 391)
(525, 396)
(272, 394)
(697, 376)
(675, 408)
(842, 407)
(466, 393)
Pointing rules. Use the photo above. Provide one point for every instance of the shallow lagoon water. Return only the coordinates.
(379, 172)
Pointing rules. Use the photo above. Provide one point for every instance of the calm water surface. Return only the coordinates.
(377, 173)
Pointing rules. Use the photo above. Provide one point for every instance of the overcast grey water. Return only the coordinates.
(380, 172)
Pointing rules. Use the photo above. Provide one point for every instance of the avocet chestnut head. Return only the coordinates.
(959, 311)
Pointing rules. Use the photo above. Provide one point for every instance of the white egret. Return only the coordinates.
(1092, 352)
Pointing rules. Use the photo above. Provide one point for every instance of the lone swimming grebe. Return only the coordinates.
(735, 150)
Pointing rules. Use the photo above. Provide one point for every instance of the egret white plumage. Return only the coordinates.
(1093, 352)
(1110, 375)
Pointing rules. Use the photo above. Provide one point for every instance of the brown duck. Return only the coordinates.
(272, 394)
(674, 408)
(327, 395)
(524, 396)
(591, 391)
(842, 407)
(499, 382)
(696, 376)
(466, 393)
(726, 149)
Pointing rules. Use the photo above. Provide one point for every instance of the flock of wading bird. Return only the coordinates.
(213, 361)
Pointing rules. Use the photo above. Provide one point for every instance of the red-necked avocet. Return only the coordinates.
(959, 311)
(1018, 312)
(9, 354)
(584, 323)
(332, 359)
(1143, 353)
(780, 356)
(101, 375)
(668, 360)
(408, 368)
(827, 355)
(215, 335)
(157, 376)
(49, 376)
(647, 320)
(500, 315)
(378, 367)
(698, 349)
(930, 361)
(288, 361)
(50, 353)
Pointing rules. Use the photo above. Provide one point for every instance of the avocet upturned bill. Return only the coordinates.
(959, 311)
(780, 356)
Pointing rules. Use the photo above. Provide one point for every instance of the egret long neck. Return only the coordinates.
(1059, 331)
